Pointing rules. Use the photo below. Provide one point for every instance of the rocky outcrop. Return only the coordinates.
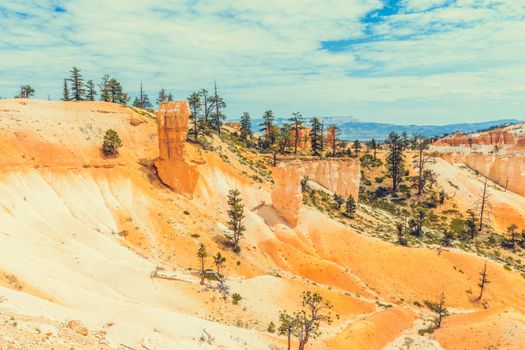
(287, 195)
(337, 175)
(504, 137)
(506, 170)
(173, 170)
(497, 154)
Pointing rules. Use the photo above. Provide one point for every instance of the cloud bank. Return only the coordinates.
(400, 61)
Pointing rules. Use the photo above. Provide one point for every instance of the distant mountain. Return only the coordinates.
(353, 129)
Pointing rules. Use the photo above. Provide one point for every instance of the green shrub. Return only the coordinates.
(236, 298)
(111, 143)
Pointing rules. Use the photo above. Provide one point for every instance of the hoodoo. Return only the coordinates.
(287, 195)
(173, 170)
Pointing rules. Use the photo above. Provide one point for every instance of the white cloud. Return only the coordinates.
(446, 61)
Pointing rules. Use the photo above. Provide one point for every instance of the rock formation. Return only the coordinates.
(338, 175)
(497, 154)
(173, 170)
(287, 195)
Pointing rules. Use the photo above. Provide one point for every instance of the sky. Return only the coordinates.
(395, 61)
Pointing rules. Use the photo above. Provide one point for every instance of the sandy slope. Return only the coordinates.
(466, 188)
(86, 232)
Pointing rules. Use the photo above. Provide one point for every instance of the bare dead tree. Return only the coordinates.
(424, 175)
(439, 309)
(483, 281)
(484, 204)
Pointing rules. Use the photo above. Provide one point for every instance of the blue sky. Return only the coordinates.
(397, 61)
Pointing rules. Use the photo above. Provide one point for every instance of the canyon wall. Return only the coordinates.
(337, 175)
(506, 170)
(173, 170)
(497, 154)
(287, 194)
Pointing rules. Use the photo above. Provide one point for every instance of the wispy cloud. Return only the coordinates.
(395, 60)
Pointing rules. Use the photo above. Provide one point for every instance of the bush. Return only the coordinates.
(271, 327)
(236, 298)
(111, 143)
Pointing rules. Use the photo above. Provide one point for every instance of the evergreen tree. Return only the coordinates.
(91, 93)
(316, 136)
(267, 128)
(373, 144)
(142, 100)
(111, 143)
(66, 92)
(163, 97)
(26, 91)
(218, 117)
(202, 254)
(116, 94)
(288, 325)
(297, 122)
(351, 207)
(194, 101)
(395, 159)
(314, 311)
(219, 261)
(471, 223)
(338, 201)
(207, 105)
(236, 214)
(105, 91)
(246, 126)
(77, 84)
(357, 147)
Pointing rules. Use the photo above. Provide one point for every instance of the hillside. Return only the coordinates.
(98, 253)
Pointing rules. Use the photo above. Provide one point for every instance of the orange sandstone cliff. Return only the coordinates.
(497, 154)
(287, 195)
(173, 170)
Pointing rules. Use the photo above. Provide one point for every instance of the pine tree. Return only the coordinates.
(162, 96)
(288, 324)
(351, 206)
(142, 100)
(267, 128)
(338, 201)
(91, 93)
(26, 91)
(218, 117)
(236, 214)
(77, 84)
(471, 223)
(315, 310)
(202, 254)
(246, 126)
(105, 91)
(316, 136)
(194, 101)
(357, 147)
(66, 92)
(395, 159)
(111, 143)
(297, 122)
(219, 261)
